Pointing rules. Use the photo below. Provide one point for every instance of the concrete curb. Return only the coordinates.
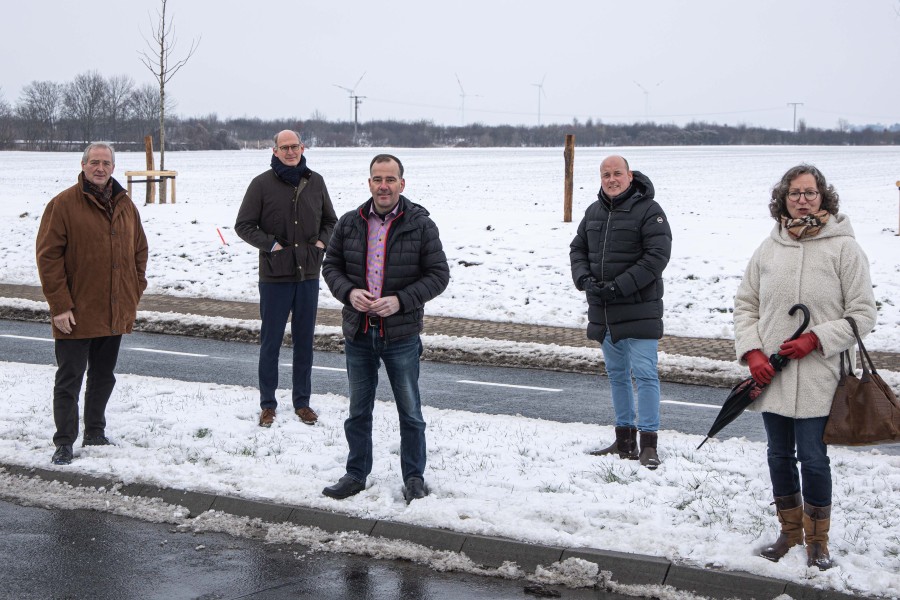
(624, 568)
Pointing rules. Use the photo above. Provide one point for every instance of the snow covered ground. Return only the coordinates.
(500, 215)
(515, 477)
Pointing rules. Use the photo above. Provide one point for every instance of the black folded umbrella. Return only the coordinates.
(748, 390)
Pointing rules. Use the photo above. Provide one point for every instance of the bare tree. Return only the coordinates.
(40, 105)
(159, 63)
(117, 105)
(83, 100)
(6, 121)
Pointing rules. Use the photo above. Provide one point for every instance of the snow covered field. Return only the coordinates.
(500, 212)
(500, 215)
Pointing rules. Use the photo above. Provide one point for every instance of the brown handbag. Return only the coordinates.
(865, 410)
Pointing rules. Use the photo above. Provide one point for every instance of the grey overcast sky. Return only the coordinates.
(670, 61)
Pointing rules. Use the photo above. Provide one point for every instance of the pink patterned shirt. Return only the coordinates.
(378, 232)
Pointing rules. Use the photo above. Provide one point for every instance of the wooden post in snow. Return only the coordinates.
(148, 152)
(569, 155)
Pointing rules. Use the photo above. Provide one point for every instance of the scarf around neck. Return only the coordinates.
(104, 194)
(808, 226)
(290, 174)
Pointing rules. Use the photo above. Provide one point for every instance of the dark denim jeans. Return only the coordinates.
(276, 300)
(401, 361)
(791, 440)
(98, 356)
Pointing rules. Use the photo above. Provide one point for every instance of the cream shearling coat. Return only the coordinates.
(829, 273)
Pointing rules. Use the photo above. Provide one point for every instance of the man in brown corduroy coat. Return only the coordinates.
(92, 259)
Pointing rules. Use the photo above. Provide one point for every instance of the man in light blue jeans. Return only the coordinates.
(618, 255)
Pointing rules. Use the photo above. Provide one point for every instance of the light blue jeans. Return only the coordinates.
(637, 358)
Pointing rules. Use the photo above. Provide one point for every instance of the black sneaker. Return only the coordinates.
(63, 455)
(95, 440)
(414, 489)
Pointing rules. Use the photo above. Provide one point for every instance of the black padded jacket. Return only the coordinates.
(415, 269)
(628, 242)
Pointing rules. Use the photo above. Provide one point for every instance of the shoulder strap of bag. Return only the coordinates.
(848, 370)
(863, 352)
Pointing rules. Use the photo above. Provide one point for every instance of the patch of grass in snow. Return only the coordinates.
(556, 488)
(615, 473)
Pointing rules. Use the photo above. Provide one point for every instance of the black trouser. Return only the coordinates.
(98, 356)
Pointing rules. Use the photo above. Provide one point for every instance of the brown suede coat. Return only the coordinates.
(90, 263)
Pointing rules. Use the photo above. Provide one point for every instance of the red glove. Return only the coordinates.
(803, 345)
(760, 368)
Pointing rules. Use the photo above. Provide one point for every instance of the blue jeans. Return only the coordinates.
(790, 440)
(276, 300)
(365, 352)
(627, 358)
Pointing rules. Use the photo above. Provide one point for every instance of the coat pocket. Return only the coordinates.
(281, 263)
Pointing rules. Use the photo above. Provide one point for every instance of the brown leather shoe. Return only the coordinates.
(307, 415)
(267, 417)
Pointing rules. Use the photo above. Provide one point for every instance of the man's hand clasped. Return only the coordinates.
(365, 302)
(605, 290)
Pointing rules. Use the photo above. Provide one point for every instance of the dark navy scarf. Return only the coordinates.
(292, 175)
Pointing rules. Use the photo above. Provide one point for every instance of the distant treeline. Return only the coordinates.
(65, 116)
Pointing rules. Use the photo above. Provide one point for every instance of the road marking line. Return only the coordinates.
(25, 337)
(315, 367)
(690, 404)
(509, 385)
(169, 352)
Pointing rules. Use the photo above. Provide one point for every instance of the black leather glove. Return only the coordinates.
(606, 290)
(584, 282)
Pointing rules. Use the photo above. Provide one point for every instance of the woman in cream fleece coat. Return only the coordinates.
(810, 257)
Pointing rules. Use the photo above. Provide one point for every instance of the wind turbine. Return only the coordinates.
(355, 101)
(462, 102)
(646, 98)
(540, 87)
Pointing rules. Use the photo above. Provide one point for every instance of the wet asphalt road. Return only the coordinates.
(80, 554)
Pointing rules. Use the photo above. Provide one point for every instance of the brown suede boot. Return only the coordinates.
(625, 445)
(790, 514)
(649, 458)
(816, 523)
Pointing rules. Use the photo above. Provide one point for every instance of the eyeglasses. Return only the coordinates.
(810, 195)
(291, 148)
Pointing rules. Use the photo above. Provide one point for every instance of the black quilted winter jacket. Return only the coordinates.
(415, 269)
(627, 242)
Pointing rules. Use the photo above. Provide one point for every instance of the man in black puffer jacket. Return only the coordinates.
(618, 256)
(384, 262)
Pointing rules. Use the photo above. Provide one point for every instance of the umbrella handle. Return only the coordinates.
(778, 361)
